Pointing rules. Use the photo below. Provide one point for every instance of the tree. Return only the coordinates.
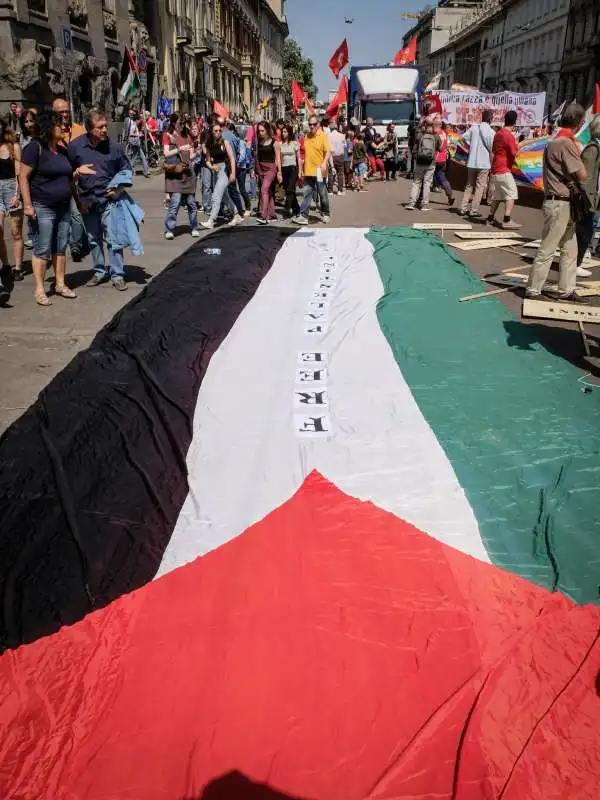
(296, 68)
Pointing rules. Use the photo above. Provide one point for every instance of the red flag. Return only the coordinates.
(341, 97)
(596, 108)
(132, 60)
(339, 59)
(408, 54)
(220, 110)
(432, 103)
(298, 95)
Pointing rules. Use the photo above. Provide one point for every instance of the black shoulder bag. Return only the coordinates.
(581, 207)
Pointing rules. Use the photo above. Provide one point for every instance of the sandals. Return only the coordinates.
(64, 291)
(42, 299)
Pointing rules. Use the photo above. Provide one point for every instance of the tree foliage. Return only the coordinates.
(296, 68)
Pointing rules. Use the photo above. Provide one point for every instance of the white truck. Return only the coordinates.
(386, 94)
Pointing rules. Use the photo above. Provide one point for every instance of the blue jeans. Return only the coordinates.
(219, 191)
(77, 234)
(311, 188)
(137, 152)
(95, 231)
(177, 200)
(241, 182)
(50, 230)
(207, 189)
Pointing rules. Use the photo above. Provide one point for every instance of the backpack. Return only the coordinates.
(426, 149)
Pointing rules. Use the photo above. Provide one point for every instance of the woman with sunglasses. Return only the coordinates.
(10, 197)
(268, 170)
(221, 160)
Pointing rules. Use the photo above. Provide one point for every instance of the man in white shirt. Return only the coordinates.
(480, 139)
(337, 141)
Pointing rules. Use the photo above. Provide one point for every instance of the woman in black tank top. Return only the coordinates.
(220, 158)
(10, 199)
(268, 170)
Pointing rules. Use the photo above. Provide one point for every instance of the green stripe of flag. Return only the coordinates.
(521, 435)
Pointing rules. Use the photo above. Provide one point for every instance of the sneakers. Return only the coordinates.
(511, 226)
(4, 295)
(425, 208)
(325, 219)
(462, 213)
(573, 297)
(119, 283)
(236, 221)
(28, 243)
(96, 280)
(451, 201)
(410, 207)
(342, 193)
(491, 222)
(195, 233)
(582, 272)
(248, 212)
(208, 223)
(475, 215)
(300, 220)
(169, 235)
(262, 221)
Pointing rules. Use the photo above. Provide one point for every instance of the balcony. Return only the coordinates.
(184, 32)
(204, 43)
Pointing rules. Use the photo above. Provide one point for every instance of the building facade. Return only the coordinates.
(580, 68)
(225, 50)
(508, 45)
(433, 30)
(534, 41)
(36, 62)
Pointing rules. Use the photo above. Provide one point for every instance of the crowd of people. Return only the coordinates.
(69, 183)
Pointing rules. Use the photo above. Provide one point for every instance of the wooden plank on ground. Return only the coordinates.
(484, 244)
(479, 295)
(568, 312)
(507, 279)
(442, 226)
(520, 281)
(489, 235)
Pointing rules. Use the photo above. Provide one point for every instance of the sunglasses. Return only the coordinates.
(313, 124)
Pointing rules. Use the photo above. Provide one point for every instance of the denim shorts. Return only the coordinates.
(361, 169)
(50, 230)
(8, 189)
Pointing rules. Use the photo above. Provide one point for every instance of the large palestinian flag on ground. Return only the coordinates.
(300, 525)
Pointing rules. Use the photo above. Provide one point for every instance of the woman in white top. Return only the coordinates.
(291, 169)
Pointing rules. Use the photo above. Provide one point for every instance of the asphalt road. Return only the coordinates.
(36, 343)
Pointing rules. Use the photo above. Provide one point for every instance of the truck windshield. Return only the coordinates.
(396, 111)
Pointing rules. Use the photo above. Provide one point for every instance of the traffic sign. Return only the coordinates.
(66, 35)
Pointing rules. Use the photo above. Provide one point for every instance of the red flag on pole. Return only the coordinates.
(340, 98)
(339, 59)
(298, 95)
(220, 110)
(408, 54)
(132, 60)
(596, 108)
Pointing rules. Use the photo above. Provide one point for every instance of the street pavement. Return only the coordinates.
(36, 343)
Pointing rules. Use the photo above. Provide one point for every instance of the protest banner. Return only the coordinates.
(465, 108)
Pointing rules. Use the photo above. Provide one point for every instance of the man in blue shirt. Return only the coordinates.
(108, 160)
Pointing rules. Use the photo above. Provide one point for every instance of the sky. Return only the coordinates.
(374, 37)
